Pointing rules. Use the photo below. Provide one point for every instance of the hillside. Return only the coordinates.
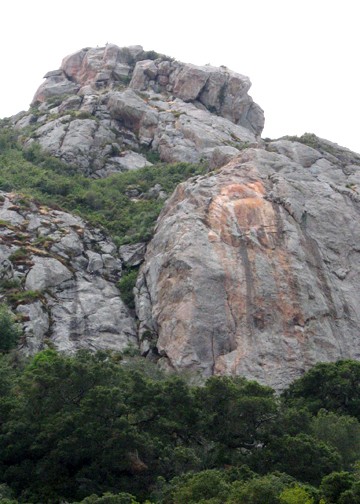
(179, 311)
(253, 266)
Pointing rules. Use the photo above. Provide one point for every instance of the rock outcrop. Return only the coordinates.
(254, 270)
(106, 108)
(60, 276)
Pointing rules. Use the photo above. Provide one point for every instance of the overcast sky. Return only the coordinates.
(302, 57)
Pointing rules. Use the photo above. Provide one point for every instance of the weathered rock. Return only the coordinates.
(247, 272)
(55, 85)
(133, 112)
(130, 160)
(221, 156)
(90, 314)
(132, 255)
(219, 89)
(89, 113)
(189, 82)
(36, 325)
(100, 65)
(45, 273)
(64, 275)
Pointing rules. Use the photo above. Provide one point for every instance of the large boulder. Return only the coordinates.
(254, 270)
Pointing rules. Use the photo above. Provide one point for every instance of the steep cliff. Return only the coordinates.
(254, 269)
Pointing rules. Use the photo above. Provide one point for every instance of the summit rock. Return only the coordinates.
(106, 103)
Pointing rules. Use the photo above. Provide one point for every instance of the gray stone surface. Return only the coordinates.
(130, 160)
(55, 85)
(65, 276)
(132, 255)
(255, 270)
(106, 101)
(45, 273)
(36, 325)
(219, 90)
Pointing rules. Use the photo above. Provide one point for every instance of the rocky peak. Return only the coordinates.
(219, 90)
(94, 67)
(107, 108)
(253, 268)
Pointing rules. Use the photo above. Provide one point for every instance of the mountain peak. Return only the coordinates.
(246, 272)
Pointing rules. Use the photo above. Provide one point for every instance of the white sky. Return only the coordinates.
(302, 57)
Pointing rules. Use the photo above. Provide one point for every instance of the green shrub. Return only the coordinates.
(334, 484)
(109, 498)
(295, 495)
(151, 55)
(126, 285)
(20, 255)
(9, 330)
(23, 296)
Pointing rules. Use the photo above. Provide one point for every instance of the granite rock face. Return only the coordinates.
(110, 103)
(254, 270)
(219, 90)
(60, 276)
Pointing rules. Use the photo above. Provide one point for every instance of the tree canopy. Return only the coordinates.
(108, 428)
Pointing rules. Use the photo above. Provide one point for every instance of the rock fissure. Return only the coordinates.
(350, 193)
(62, 138)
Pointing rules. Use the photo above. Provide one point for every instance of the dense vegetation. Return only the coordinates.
(103, 202)
(107, 428)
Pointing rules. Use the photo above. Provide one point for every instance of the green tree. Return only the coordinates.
(302, 456)
(237, 414)
(109, 498)
(6, 494)
(341, 432)
(9, 330)
(201, 487)
(295, 495)
(70, 424)
(351, 496)
(331, 386)
(259, 490)
(87, 424)
(334, 484)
